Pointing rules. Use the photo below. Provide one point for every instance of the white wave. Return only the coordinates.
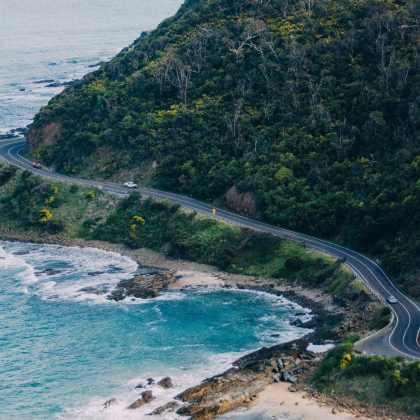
(25, 273)
(320, 348)
(182, 379)
(86, 274)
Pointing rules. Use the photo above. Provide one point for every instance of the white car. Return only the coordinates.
(392, 299)
(130, 185)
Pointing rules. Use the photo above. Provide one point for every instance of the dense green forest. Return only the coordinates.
(311, 107)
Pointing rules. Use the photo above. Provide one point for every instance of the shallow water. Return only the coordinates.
(57, 40)
(65, 350)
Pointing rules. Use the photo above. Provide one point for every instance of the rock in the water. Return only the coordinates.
(296, 323)
(170, 407)
(97, 64)
(21, 253)
(109, 403)
(99, 289)
(145, 398)
(166, 383)
(139, 386)
(44, 81)
(62, 84)
(49, 272)
(150, 381)
(141, 286)
(117, 294)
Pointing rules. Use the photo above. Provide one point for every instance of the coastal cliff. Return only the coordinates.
(305, 114)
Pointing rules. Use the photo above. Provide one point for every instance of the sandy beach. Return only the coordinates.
(187, 278)
(277, 402)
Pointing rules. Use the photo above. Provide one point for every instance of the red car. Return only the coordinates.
(37, 165)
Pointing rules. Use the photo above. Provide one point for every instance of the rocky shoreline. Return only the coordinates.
(334, 319)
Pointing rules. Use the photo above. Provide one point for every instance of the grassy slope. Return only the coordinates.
(23, 196)
(375, 380)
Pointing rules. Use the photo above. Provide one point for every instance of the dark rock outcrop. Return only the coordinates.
(145, 398)
(111, 402)
(62, 84)
(43, 81)
(99, 289)
(49, 272)
(169, 407)
(141, 286)
(242, 383)
(97, 64)
(166, 383)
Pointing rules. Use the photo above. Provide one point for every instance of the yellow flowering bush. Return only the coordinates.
(45, 215)
(139, 219)
(345, 361)
(49, 201)
(398, 380)
(90, 195)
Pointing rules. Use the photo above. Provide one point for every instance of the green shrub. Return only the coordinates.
(330, 365)
(382, 318)
(294, 263)
(90, 195)
(6, 173)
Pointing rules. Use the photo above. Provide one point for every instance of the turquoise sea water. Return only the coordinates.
(57, 40)
(65, 348)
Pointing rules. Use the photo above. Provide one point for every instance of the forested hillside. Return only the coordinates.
(310, 109)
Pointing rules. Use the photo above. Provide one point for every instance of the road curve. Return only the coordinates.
(401, 339)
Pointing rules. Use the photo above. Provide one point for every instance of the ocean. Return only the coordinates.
(56, 41)
(66, 349)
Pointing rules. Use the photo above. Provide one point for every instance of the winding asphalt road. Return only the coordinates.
(402, 338)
